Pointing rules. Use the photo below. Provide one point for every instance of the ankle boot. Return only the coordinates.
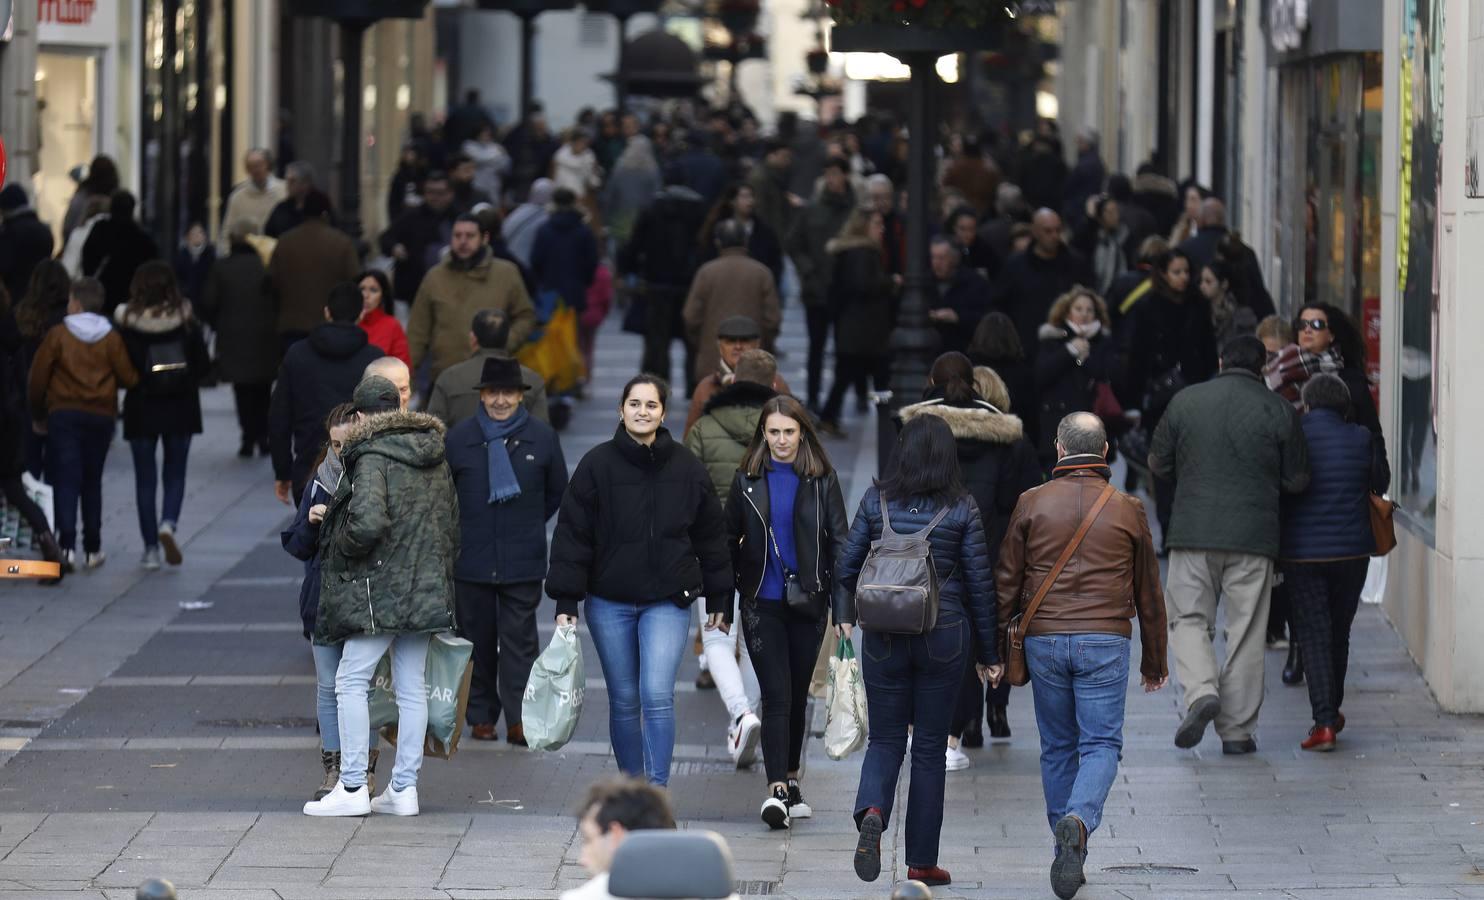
(331, 761)
(1293, 670)
(999, 722)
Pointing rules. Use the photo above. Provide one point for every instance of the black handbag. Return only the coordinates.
(813, 605)
(1162, 389)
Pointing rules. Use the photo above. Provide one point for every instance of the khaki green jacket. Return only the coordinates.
(449, 297)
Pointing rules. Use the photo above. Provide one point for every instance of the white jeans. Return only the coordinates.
(352, 684)
(736, 681)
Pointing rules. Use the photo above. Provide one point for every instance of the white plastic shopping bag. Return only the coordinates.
(845, 704)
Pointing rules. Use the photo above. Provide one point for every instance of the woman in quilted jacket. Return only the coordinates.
(912, 680)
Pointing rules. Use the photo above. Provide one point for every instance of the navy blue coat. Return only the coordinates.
(960, 554)
(301, 540)
(1331, 519)
(565, 257)
(505, 543)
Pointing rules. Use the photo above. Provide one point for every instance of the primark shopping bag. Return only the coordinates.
(845, 704)
(450, 666)
(553, 698)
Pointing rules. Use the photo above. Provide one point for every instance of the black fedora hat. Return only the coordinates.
(502, 374)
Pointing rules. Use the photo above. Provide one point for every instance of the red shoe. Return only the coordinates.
(1321, 738)
(933, 876)
(1340, 725)
(483, 732)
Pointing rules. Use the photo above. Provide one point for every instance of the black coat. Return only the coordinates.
(423, 233)
(1028, 285)
(960, 554)
(1065, 385)
(115, 249)
(641, 525)
(565, 257)
(15, 423)
(1246, 273)
(968, 295)
(662, 247)
(147, 412)
(239, 305)
(820, 527)
(191, 272)
(860, 298)
(1159, 334)
(24, 241)
(1019, 376)
(505, 543)
(318, 373)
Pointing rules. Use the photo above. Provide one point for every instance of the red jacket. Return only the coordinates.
(386, 332)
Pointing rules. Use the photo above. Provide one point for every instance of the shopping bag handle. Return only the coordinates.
(846, 649)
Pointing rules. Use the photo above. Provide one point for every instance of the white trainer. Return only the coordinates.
(392, 802)
(743, 738)
(169, 544)
(341, 802)
(957, 760)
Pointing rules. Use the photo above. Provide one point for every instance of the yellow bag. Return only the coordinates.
(553, 352)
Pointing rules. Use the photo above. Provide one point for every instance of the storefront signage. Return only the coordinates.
(92, 23)
(66, 12)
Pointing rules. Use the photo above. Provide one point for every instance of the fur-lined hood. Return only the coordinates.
(412, 438)
(840, 245)
(979, 421)
(153, 321)
(740, 393)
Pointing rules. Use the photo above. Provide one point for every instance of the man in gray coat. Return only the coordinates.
(455, 395)
(1232, 447)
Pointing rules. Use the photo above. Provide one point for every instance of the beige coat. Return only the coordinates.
(446, 303)
(731, 285)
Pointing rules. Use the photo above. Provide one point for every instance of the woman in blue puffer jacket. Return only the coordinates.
(1327, 544)
(913, 680)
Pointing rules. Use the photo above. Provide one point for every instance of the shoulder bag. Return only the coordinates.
(1015, 668)
(1383, 528)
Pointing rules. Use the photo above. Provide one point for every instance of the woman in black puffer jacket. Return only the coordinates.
(998, 464)
(640, 537)
(913, 680)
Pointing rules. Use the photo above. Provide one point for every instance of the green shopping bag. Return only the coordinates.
(449, 667)
(553, 698)
(845, 704)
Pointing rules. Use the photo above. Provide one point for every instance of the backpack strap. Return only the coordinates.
(1066, 555)
(937, 520)
(886, 530)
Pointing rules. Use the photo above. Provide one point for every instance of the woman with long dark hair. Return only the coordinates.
(44, 305)
(639, 538)
(786, 524)
(763, 244)
(912, 680)
(997, 464)
(382, 328)
(166, 347)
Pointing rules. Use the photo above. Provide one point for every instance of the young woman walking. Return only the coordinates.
(785, 524)
(640, 537)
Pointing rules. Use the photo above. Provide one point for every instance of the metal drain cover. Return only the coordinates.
(1151, 869)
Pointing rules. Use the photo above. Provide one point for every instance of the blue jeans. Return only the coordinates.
(326, 663)
(640, 646)
(177, 449)
(1080, 683)
(911, 680)
(358, 662)
(77, 446)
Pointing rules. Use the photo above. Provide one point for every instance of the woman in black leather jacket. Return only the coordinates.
(785, 523)
(913, 680)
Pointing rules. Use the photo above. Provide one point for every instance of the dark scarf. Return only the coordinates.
(503, 484)
(465, 265)
(1079, 462)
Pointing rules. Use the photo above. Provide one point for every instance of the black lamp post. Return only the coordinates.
(622, 11)
(354, 17)
(527, 11)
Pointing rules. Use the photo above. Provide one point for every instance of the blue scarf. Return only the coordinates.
(503, 485)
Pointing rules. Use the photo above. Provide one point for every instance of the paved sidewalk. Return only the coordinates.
(143, 740)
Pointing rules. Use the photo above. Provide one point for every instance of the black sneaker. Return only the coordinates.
(775, 809)
(797, 808)
(1193, 726)
(868, 846)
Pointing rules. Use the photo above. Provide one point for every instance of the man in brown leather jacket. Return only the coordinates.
(1077, 644)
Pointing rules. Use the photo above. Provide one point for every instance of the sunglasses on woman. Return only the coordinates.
(1313, 324)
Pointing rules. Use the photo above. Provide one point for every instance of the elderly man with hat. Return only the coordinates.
(510, 475)
(734, 337)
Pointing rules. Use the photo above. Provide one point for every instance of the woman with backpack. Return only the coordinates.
(785, 525)
(166, 347)
(916, 575)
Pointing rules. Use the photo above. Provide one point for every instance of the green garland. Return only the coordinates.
(924, 13)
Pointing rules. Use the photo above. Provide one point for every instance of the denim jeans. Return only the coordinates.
(353, 682)
(326, 663)
(640, 646)
(77, 446)
(177, 449)
(910, 680)
(1079, 682)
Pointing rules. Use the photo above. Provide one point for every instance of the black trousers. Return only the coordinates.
(253, 401)
(1280, 615)
(500, 621)
(819, 320)
(784, 646)
(662, 325)
(1324, 598)
(975, 697)
(853, 370)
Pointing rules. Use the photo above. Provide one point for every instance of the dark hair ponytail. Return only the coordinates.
(953, 374)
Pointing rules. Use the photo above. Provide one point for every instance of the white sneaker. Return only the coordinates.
(94, 560)
(169, 544)
(775, 810)
(341, 802)
(150, 561)
(743, 739)
(393, 802)
(957, 760)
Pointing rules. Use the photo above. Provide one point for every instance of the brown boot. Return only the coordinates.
(331, 761)
(516, 736)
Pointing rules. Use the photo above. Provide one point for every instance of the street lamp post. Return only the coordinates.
(527, 11)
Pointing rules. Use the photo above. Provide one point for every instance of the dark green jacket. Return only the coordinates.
(720, 438)
(391, 534)
(816, 225)
(1232, 447)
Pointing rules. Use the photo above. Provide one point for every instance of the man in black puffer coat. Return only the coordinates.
(317, 374)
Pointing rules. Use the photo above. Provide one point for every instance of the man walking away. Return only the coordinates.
(661, 252)
(309, 260)
(1077, 651)
(1232, 447)
(455, 395)
(731, 285)
(509, 474)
